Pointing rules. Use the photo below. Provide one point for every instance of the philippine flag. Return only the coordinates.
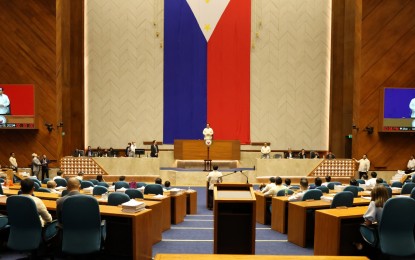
(207, 69)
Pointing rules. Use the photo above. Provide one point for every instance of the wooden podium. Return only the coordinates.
(197, 150)
(234, 219)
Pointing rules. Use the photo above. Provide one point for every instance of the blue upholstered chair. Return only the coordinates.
(64, 192)
(396, 184)
(153, 189)
(83, 232)
(43, 190)
(359, 189)
(95, 182)
(36, 185)
(1, 190)
(395, 233)
(141, 184)
(26, 232)
(86, 184)
(282, 192)
(407, 188)
(312, 195)
(331, 185)
(323, 189)
(352, 189)
(360, 181)
(134, 194)
(121, 184)
(342, 199)
(45, 180)
(99, 190)
(103, 184)
(117, 198)
(61, 182)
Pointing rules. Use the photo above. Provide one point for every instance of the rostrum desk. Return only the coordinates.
(234, 219)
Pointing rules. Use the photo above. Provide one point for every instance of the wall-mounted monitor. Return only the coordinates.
(398, 111)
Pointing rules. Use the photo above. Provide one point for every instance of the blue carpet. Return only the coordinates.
(195, 235)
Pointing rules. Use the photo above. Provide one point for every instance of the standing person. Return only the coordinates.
(213, 177)
(265, 151)
(154, 149)
(127, 150)
(364, 165)
(45, 167)
(132, 150)
(89, 152)
(4, 103)
(330, 156)
(36, 165)
(13, 162)
(208, 132)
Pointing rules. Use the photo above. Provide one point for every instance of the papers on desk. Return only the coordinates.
(111, 188)
(88, 190)
(121, 190)
(366, 198)
(339, 187)
(60, 188)
(2, 195)
(158, 196)
(401, 195)
(396, 188)
(175, 191)
(133, 206)
(326, 198)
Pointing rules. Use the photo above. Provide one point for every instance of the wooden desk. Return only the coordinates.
(178, 207)
(191, 202)
(197, 150)
(166, 209)
(263, 216)
(135, 227)
(338, 228)
(279, 214)
(249, 257)
(297, 214)
(40, 195)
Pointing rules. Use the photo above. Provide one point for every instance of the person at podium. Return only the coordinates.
(265, 151)
(208, 132)
(213, 177)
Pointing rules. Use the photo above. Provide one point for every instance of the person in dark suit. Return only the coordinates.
(154, 149)
(45, 167)
(289, 154)
(89, 152)
(330, 156)
(302, 154)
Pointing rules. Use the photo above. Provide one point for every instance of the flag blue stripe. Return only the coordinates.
(185, 54)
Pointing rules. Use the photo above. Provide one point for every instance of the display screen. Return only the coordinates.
(399, 109)
(17, 106)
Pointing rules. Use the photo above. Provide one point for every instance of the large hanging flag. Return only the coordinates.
(207, 69)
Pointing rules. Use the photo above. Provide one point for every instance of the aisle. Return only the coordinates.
(195, 236)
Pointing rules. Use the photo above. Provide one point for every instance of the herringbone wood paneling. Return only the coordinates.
(387, 60)
(290, 73)
(124, 71)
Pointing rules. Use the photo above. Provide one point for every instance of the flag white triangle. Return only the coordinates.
(208, 13)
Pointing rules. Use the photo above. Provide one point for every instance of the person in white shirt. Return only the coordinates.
(131, 152)
(265, 151)
(58, 175)
(372, 181)
(4, 103)
(13, 162)
(277, 187)
(80, 176)
(208, 132)
(27, 187)
(364, 165)
(411, 165)
(51, 185)
(213, 177)
(328, 180)
(303, 188)
(269, 186)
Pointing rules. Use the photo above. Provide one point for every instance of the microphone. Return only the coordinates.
(245, 176)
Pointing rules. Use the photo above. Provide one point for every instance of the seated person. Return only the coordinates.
(51, 185)
(158, 181)
(99, 178)
(276, 188)
(379, 195)
(73, 188)
(166, 185)
(289, 154)
(80, 176)
(58, 175)
(302, 154)
(410, 167)
(328, 180)
(298, 196)
(314, 155)
(379, 181)
(330, 156)
(317, 183)
(287, 183)
(27, 186)
(365, 178)
(353, 182)
(372, 181)
(270, 185)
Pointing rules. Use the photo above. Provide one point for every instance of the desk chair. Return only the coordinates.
(117, 198)
(282, 192)
(396, 184)
(352, 189)
(395, 233)
(45, 180)
(64, 193)
(1, 190)
(360, 181)
(1, 180)
(134, 194)
(26, 232)
(43, 190)
(86, 184)
(103, 184)
(37, 186)
(61, 182)
(342, 199)
(153, 189)
(95, 182)
(83, 232)
(323, 189)
(312, 195)
(331, 185)
(99, 190)
(407, 188)
(121, 184)
(141, 184)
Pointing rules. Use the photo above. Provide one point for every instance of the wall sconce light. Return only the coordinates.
(49, 127)
(60, 124)
(369, 130)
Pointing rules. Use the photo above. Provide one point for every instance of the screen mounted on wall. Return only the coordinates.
(398, 109)
(17, 106)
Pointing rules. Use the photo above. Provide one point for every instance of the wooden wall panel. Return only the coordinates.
(29, 54)
(387, 60)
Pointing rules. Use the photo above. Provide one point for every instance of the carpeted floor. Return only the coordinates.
(195, 236)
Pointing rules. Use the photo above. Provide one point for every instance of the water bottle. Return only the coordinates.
(286, 192)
